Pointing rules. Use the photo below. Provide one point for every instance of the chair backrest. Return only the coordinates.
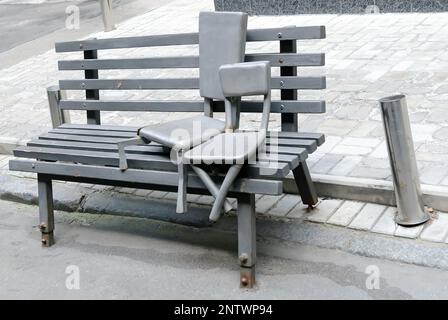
(287, 59)
(222, 40)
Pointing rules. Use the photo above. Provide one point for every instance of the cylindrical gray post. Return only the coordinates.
(400, 146)
(108, 20)
(58, 116)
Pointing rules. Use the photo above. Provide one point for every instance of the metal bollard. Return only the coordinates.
(106, 8)
(58, 116)
(400, 146)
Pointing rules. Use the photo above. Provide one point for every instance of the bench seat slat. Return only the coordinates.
(319, 137)
(291, 82)
(291, 160)
(284, 154)
(271, 34)
(116, 136)
(136, 161)
(135, 176)
(292, 106)
(275, 59)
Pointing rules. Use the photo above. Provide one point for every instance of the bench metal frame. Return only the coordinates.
(88, 153)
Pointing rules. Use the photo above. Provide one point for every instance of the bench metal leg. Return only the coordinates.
(211, 186)
(230, 177)
(46, 212)
(305, 184)
(247, 239)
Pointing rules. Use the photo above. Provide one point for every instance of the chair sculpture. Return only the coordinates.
(234, 147)
(222, 38)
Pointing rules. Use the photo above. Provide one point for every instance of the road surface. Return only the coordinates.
(120, 257)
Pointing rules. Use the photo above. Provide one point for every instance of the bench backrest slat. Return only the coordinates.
(275, 59)
(293, 106)
(310, 83)
(272, 34)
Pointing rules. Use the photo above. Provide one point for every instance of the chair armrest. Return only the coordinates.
(245, 79)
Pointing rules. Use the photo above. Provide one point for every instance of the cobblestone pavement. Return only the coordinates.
(368, 57)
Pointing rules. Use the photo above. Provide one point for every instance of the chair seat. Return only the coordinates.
(226, 148)
(183, 133)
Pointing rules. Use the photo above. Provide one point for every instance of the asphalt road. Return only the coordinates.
(20, 23)
(29, 28)
(101, 256)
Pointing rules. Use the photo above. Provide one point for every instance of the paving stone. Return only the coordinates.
(408, 232)
(158, 194)
(437, 229)
(298, 211)
(284, 205)
(350, 150)
(326, 163)
(346, 212)
(266, 202)
(346, 165)
(386, 223)
(433, 174)
(324, 210)
(367, 217)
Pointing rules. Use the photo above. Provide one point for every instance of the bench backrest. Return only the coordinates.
(287, 59)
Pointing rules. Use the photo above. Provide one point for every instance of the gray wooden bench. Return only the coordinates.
(88, 152)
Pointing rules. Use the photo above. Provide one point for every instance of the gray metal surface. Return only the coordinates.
(211, 186)
(298, 106)
(303, 83)
(46, 212)
(138, 161)
(318, 137)
(247, 239)
(152, 179)
(275, 59)
(183, 133)
(58, 116)
(245, 79)
(400, 147)
(93, 116)
(289, 122)
(222, 40)
(271, 34)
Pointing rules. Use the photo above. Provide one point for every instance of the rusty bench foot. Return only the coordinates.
(47, 239)
(46, 211)
(247, 253)
(247, 277)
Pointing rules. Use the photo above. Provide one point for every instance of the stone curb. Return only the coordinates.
(73, 198)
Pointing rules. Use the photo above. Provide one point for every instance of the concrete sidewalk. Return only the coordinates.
(368, 57)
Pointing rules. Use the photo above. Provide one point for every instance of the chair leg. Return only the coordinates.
(121, 150)
(247, 239)
(211, 186)
(305, 185)
(182, 185)
(46, 211)
(230, 177)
